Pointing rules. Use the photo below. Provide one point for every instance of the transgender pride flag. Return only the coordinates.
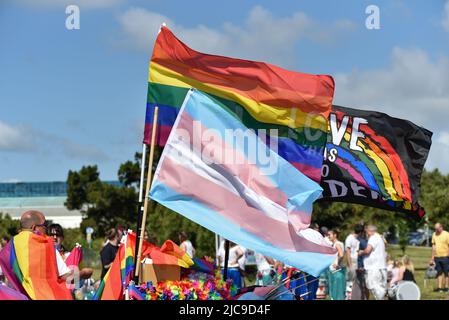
(238, 188)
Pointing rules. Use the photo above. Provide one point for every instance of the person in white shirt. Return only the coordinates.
(265, 271)
(186, 244)
(235, 254)
(242, 264)
(375, 263)
(351, 251)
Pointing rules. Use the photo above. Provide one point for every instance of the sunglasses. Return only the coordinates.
(43, 225)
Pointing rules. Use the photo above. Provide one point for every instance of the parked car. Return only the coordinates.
(418, 238)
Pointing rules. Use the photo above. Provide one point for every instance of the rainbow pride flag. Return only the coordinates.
(261, 95)
(29, 263)
(121, 271)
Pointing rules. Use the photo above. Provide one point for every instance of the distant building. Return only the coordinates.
(47, 197)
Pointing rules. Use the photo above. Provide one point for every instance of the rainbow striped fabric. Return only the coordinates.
(121, 271)
(219, 184)
(29, 263)
(10, 294)
(262, 95)
(169, 253)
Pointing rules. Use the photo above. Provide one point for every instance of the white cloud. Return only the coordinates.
(445, 21)
(15, 138)
(262, 36)
(413, 86)
(76, 150)
(26, 139)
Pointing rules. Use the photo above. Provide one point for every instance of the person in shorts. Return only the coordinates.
(375, 264)
(440, 256)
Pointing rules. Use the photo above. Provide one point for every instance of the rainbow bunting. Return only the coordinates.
(261, 95)
(29, 263)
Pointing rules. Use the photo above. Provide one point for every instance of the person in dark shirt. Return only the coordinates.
(406, 272)
(109, 251)
(359, 290)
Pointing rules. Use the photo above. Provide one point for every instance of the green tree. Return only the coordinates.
(78, 183)
(8, 226)
(129, 172)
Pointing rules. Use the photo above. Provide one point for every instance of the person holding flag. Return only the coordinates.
(31, 263)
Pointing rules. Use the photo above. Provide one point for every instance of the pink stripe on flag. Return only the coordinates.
(235, 208)
(352, 172)
(247, 172)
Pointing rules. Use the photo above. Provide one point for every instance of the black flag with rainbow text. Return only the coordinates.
(374, 159)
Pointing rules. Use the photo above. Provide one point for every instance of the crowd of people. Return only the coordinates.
(362, 267)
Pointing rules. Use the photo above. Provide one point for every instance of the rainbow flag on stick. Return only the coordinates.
(121, 271)
(222, 185)
(29, 263)
(261, 95)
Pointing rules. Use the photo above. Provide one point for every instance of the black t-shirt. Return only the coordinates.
(408, 276)
(363, 243)
(107, 255)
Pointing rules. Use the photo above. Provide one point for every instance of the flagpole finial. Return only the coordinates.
(162, 25)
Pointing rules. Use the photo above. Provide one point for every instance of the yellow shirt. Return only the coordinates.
(441, 243)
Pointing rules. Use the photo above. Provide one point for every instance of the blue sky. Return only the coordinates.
(75, 97)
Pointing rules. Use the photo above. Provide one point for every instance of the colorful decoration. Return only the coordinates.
(121, 271)
(193, 286)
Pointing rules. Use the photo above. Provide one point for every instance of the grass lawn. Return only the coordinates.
(420, 257)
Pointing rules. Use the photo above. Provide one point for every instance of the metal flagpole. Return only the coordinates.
(142, 224)
(226, 259)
